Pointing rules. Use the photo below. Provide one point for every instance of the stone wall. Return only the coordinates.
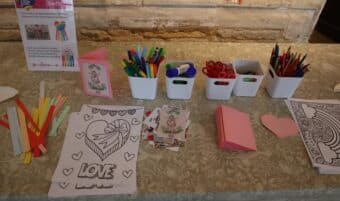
(195, 20)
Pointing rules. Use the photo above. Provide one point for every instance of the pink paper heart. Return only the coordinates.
(281, 127)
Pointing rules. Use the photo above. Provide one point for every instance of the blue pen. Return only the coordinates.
(139, 52)
(143, 64)
(144, 51)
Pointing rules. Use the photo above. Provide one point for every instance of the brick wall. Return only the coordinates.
(195, 20)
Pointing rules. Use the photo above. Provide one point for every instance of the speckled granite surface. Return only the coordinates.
(279, 170)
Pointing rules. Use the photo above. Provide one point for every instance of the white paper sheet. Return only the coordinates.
(100, 152)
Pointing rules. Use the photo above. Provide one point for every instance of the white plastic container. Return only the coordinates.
(143, 88)
(247, 84)
(179, 87)
(219, 88)
(281, 87)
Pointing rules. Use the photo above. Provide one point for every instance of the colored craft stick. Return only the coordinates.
(43, 113)
(4, 116)
(27, 114)
(23, 131)
(4, 124)
(42, 148)
(42, 89)
(57, 122)
(46, 124)
(59, 105)
(15, 130)
(28, 158)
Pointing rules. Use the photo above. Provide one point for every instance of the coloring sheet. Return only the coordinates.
(319, 124)
(48, 33)
(100, 152)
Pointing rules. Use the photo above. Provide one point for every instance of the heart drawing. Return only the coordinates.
(127, 173)
(80, 135)
(63, 185)
(135, 121)
(281, 127)
(128, 156)
(67, 171)
(77, 156)
(87, 117)
(105, 138)
(133, 138)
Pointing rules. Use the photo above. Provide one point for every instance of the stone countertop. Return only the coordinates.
(279, 168)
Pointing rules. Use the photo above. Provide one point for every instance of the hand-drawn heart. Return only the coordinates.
(112, 113)
(281, 127)
(67, 171)
(105, 138)
(127, 173)
(104, 112)
(77, 156)
(95, 110)
(132, 111)
(122, 112)
(135, 121)
(63, 185)
(134, 138)
(87, 117)
(80, 135)
(128, 156)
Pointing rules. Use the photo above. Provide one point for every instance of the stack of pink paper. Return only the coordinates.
(234, 130)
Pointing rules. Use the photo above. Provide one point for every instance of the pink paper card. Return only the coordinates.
(234, 130)
(95, 73)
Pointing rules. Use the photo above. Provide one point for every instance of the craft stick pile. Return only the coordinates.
(29, 130)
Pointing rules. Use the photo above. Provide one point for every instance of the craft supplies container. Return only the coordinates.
(280, 87)
(249, 77)
(179, 87)
(219, 88)
(143, 88)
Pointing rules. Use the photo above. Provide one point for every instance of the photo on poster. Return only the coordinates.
(60, 31)
(67, 57)
(96, 78)
(37, 32)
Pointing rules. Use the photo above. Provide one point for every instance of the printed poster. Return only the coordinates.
(48, 33)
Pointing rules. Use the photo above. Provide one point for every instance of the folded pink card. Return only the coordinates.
(234, 130)
(95, 73)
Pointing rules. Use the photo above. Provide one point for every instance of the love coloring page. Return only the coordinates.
(100, 152)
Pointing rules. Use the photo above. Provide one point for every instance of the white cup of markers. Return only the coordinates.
(285, 73)
(142, 68)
